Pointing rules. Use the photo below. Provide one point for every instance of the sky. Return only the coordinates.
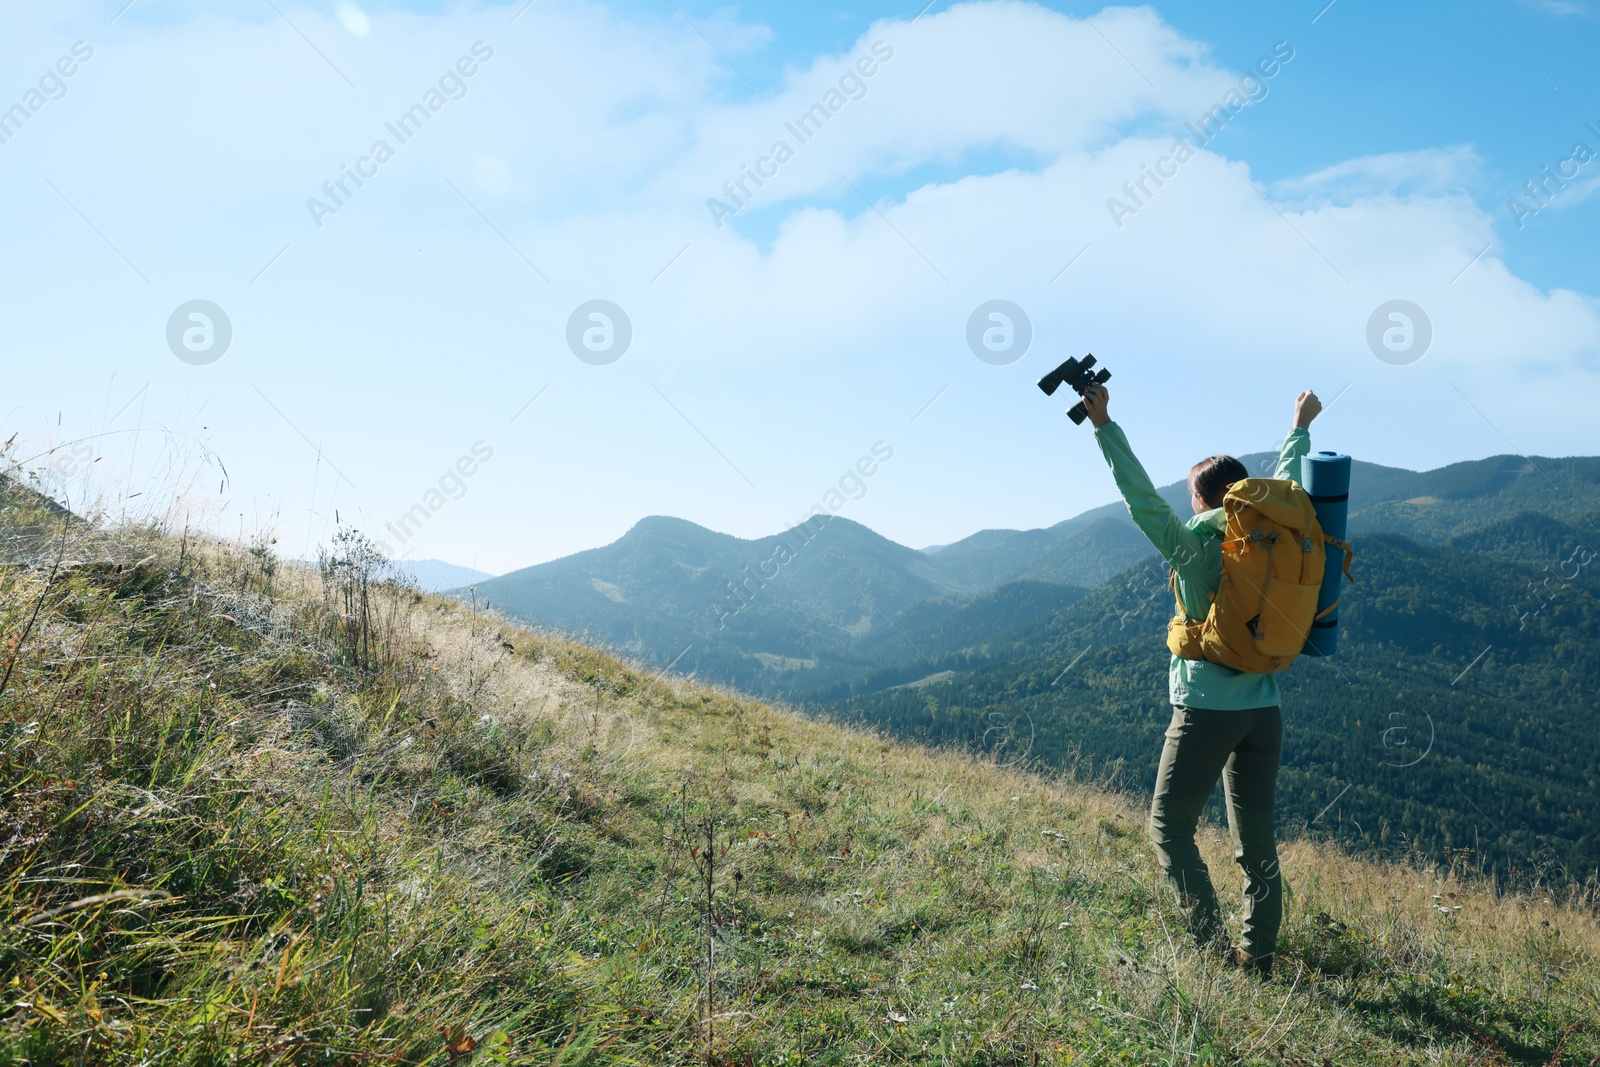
(492, 282)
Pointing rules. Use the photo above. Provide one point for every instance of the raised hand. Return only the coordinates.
(1306, 408)
(1095, 399)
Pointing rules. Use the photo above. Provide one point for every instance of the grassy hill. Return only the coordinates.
(254, 814)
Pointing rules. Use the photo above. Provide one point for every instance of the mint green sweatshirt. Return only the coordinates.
(1194, 550)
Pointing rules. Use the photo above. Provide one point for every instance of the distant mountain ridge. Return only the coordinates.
(744, 608)
(437, 576)
(1424, 505)
(801, 609)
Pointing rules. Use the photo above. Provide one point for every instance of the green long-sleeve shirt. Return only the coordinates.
(1194, 550)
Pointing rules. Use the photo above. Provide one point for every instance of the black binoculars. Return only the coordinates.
(1076, 373)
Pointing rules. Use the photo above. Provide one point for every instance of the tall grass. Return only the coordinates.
(255, 813)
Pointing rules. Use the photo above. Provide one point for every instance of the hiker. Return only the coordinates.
(1224, 721)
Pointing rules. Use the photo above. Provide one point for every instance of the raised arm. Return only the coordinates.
(1298, 442)
(1178, 545)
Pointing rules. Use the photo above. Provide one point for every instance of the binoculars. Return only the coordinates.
(1076, 373)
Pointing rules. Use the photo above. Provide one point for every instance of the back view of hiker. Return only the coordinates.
(1224, 722)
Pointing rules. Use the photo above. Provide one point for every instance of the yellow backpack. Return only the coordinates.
(1273, 556)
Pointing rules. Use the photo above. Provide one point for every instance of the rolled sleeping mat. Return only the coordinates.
(1326, 478)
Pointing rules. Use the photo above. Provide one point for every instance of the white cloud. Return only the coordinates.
(353, 18)
(1561, 8)
(1577, 194)
(1425, 172)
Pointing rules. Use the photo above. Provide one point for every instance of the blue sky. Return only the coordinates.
(377, 357)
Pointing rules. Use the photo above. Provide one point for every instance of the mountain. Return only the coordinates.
(750, 612)
(817, 607)
(436, 576)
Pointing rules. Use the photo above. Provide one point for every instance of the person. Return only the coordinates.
(1224, 722)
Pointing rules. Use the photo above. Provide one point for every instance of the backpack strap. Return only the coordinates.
(1172, 584)
(1258, 537)
(1348, 552)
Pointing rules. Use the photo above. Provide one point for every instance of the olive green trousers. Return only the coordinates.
(1243, 747)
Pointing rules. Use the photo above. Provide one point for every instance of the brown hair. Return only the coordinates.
(1211, 477)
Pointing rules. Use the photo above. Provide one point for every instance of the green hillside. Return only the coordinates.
(945, 629)
(260, 815)
(1459, 713)
(1464, 497)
